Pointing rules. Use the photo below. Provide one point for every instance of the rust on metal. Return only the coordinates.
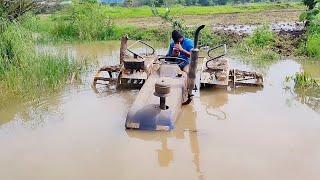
(215, 72)
(123, 48)
(246, 78)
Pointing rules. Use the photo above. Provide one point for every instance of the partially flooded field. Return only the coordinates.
(244, 133)
(248, 18)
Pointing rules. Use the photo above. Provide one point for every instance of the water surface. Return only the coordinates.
(244, 133)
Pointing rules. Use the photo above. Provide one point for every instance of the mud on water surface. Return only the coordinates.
(244, 133)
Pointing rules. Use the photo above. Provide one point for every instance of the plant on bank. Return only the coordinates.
(259, 46)
(312, 19)
(83, 21)
(306, 85)
(262, 37)
(23, 73)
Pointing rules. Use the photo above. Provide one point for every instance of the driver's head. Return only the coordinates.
(176, 36)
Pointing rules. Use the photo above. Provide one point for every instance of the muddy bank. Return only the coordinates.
(288, 35)
(281, 28)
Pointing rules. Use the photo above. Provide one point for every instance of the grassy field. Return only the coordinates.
(145, 11)
(267, 16)
(96, 22)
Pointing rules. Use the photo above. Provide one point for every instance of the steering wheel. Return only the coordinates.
(135, 55)
(213, 58)
(216, 47)
(172, 60)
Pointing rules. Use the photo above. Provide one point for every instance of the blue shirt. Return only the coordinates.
(187, 44)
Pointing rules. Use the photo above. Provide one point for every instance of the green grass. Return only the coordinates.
(313, 46)
(23, 73)
(257, 48)
(310, 47)
(178, 10)
(262, 37)
(87, 22)
(304, 80)
(82, 21)
(313, 39)
(306, 85)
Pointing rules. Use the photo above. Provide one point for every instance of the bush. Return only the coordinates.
(15, 45)
(258, 47)
(261, 37)
(12, 10)
(83, 21)
(303, 82)
(313, 45)
(141, 34)
(305, 85)
(313, 38)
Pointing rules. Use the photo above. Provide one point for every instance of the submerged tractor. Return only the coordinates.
(164, 86)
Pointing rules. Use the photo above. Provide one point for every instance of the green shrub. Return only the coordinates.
(261, 37)
(83, 21)
(15, 45)
(258, 48)
(140, 33)
(313, 45)
(314, 26)
(305, 85)
(313, 38)
(303, 81)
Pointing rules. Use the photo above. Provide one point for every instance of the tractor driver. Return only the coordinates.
(180, 47)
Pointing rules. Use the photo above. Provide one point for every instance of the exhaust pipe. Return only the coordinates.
(123, 48)
(193, 65)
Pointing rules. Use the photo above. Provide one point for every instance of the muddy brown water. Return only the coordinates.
(245, 133)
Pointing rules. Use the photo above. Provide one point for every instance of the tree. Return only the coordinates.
(180, 2)
(310, 3)
(11, 10)
(204, 2)
(188, 2)
(222, 2)
(312, 12)
(159, 3)
(128, 3)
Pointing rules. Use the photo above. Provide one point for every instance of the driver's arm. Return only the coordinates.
(185, 52)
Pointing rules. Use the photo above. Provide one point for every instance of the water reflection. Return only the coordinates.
(312, 102)
(37, 110)
(186, 125)
(165, 155)
(213, 99)
(213, 136)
